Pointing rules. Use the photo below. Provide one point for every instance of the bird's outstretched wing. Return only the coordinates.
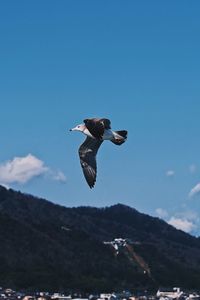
(87, 154)
(97, 126)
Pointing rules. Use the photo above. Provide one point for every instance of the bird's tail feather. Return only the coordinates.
(122, 133)
(119, 137)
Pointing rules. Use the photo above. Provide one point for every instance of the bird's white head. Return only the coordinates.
(80, 127)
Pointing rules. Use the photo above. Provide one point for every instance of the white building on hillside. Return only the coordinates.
(174, 293)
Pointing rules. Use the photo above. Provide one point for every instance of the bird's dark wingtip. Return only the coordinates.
(91, 185)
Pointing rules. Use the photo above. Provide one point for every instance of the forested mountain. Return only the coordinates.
(49, 247)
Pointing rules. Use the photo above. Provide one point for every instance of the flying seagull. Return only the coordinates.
(97, 130)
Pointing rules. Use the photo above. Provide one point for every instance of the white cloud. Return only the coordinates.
(189, 215)
(182, 224)
(23, 169)
(162, 213)
(170, 173)
(59, 176)
(5, 185)
(192, 168)
(195, 190)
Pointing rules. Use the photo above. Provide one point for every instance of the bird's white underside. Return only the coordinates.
(108, 134)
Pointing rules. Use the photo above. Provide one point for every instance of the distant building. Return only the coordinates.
(29, 298)
(117, 243)
(107, 296)
(193, 296)
(174, 293)
(58, 296)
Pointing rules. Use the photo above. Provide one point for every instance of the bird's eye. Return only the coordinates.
(78, 126)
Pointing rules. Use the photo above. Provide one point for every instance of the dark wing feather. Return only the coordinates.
(87, 154)
(106, 123)
(95, 127)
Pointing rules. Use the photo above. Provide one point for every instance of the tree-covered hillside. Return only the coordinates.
(49, 247)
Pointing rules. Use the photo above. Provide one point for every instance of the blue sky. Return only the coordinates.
(135, 62)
